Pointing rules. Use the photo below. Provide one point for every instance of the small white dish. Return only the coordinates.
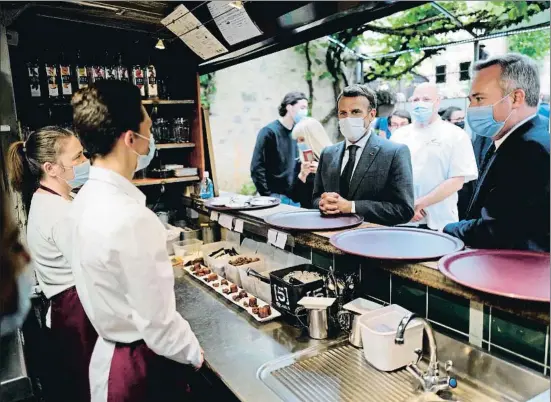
(316, 303)
(262, 201)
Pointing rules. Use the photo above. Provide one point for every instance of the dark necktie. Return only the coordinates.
(481, 171)
(346, 175)
(489, 153)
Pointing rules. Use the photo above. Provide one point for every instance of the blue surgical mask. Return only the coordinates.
(302, 146)
(422, 112)
(81, 173)
(10, 323)
(301, 114)
(145, 160)
(481, 120)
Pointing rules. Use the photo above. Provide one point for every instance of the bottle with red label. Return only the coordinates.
(81, 70)
(66, 79)
(97, 71)
(110, 67)
(152, 88)
(138, 78)
(52, 80)
(122, 71)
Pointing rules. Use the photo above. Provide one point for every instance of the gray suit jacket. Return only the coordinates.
(382, 183)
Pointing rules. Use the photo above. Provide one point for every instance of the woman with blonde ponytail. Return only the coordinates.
(45, 168)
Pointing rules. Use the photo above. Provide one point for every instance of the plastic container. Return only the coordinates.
(217, 265)
(187, 248)
(233, 273)
(378, 329)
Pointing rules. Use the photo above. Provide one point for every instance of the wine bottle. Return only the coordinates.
(138, 78)
(33, 73)
(65, 77)
(122, 71)
(81, 72)
(51, 76)
(152, 88)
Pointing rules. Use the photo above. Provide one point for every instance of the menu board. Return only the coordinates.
(234, 23)
(192, 32)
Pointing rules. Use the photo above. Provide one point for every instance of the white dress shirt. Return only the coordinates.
(439, 152)
(361, 146)
(44, 228)
(502, 139)
(122, 271)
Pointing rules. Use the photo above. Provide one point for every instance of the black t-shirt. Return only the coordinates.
(274, 159)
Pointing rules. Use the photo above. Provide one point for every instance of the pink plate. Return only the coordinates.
(517, 274)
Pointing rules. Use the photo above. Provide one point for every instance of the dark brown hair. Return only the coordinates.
(290, 99)
(355, 90)
(104, 111)
(26, 158)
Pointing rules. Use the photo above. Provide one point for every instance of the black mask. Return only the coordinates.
(460, 124)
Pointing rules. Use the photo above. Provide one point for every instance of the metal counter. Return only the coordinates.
(235, 344)
(15, 385)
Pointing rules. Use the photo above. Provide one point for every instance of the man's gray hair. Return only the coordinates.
(517, 72)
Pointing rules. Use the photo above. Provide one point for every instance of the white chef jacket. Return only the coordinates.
(123, 275)
(439, 152)
(44, 227)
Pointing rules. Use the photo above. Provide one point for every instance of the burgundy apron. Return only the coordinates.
(138, 374)
(74, 338)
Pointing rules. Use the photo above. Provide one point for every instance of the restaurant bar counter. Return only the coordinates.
(513, 329)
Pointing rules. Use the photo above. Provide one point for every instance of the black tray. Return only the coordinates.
(285, 297)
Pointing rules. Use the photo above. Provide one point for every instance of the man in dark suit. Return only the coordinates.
(510, 204)
(365, 174)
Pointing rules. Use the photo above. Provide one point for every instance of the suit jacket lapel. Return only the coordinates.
(366, 159)
(509, 143)
(335, 166)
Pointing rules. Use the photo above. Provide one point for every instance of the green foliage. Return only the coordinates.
(248, 189)
(425, 26)
(208, 89)
(533, 44)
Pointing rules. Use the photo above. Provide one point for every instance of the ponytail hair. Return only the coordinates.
(26, 158)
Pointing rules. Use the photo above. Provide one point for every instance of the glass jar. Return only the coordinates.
(165, 134)
(180, 130)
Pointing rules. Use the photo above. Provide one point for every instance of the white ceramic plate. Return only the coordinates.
(262, 201)
(220, 201)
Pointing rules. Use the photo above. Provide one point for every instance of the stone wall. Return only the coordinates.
(246, 99)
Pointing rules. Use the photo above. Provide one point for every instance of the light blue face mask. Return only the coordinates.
(145, 160)
(481, 120)
(81, 173)
(302, 146)
(10, 323)
(301, 114)
(422, 112)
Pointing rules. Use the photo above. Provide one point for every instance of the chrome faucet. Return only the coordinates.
(430, 381)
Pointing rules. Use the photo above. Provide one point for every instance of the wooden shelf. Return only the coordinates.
(168, 102)
(153, 182)
(172, 146)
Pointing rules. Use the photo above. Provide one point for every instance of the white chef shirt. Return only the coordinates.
(44, 227)
(361, 146)
(122, 271)
(439, 152)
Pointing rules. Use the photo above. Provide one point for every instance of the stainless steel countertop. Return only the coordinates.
(15, 384)
(235, 344)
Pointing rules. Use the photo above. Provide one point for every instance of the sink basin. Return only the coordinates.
(337, 371)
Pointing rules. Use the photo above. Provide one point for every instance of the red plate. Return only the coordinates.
(510, 273)
(396, 243)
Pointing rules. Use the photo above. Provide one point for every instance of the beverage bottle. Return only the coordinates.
(122, 71)
(138, 78)
(51, 76)
(33, 74)
(66, 77)
(207, 187)
(97, 71)
(152, 88)
(110, 67)
(81, 70)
